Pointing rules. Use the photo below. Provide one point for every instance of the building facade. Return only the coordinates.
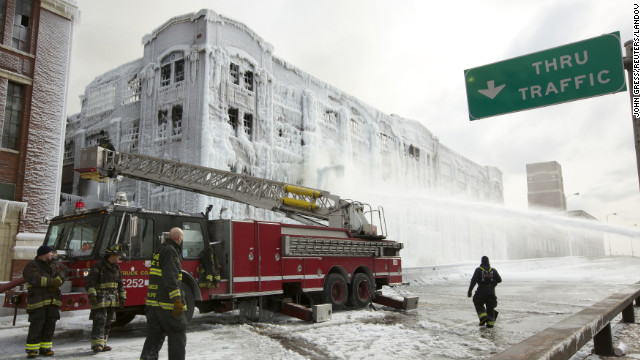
(35, 50)
(209, 91)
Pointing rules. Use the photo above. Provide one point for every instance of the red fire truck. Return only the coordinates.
(306, 271)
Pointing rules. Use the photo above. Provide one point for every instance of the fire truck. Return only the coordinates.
(334, 259)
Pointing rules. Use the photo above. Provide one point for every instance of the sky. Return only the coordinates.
(408, 58)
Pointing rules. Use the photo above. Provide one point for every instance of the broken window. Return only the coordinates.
(248, 80)
(162, 123)
(234, 70)
(12, 116)
(248, 124)
(414, 152)
(176, 120)
(21, 25)
(69, 152)
(233, 118)
(179, 70)
(172, 64)
(132, 90)
(165, 75)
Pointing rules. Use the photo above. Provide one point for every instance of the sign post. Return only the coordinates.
(571, 72)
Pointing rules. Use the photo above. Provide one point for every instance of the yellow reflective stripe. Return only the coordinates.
(46, 345)
(482, 315)
(111, 285)
(180, 276)
(210, 277)
(153, 286)
(43, 303)
(44, 281)
(91, 291)
(174, 293)
(155, 271)
(123, 294)
(33, 346)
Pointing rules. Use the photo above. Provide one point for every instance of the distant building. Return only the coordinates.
(545, 188)
(545, 191)
(34, 70)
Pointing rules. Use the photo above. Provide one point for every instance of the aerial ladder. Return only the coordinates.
(308, 206)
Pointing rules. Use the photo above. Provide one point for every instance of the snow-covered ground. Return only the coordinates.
(534, 294)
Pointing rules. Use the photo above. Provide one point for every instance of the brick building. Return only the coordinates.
(35, 52)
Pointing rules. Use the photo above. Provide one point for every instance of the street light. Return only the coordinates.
(568, 196)
(609, 235)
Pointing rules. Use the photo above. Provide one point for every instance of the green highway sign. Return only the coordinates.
(575, 71)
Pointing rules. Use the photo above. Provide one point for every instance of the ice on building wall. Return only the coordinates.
(210, 91)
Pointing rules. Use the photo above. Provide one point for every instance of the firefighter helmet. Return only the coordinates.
(113, 250)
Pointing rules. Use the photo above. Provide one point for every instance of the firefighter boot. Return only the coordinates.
(106, 348)
(97, 348)
(46, 352)
(483, 319)
(32, 354)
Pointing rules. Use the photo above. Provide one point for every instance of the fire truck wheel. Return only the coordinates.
(335, 291)
(189, 300)
(360, 291)
(123, 318)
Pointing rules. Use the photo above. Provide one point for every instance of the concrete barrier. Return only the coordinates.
(564, 339)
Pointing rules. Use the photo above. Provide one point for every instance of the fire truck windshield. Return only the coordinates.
(75, 237)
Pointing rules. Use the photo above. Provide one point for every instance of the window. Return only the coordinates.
(12, 116)
(3, 7)
(172, 64)
(69, 152)
(248, 124)
(162, 123)
(248, 80)
(165, 75)
(132, 90)
(78, 237)
(179, 70)
(414, 152)
(193, 241)
(176, 120)
(355, 127)
(21, 25)
(234, 70)
(233, 118)
(142, 244)
(7, 191)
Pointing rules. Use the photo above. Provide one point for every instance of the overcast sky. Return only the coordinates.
(408, 58)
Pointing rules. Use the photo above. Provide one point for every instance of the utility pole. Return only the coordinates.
(632, 64)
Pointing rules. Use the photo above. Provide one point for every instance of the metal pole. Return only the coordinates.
(634, 95)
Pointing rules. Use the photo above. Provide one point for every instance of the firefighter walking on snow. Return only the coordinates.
(485, 299)
(165, 306)
(44, 278)
(106, 293)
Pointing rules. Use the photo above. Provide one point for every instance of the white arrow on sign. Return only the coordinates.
(491, 91)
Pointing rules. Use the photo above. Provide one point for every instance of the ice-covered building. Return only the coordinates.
(209, 91)
(34, 70)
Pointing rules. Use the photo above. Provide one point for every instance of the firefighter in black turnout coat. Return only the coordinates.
(487, 279)
(106, 293)
(165, 301)
(44, 277)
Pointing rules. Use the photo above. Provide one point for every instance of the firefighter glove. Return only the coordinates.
(93, 300)
(122, 301)
(56, 282)
(469, 293)
(178, 308)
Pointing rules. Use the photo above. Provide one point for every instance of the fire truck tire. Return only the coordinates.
(335, 291)
(360, 291)
(189, 300)
(123, 318)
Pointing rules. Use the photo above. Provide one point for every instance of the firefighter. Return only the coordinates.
(487, 279)
(106, 293)
(208, 270)
(43, 276)
(165, 302)
(105, 141)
